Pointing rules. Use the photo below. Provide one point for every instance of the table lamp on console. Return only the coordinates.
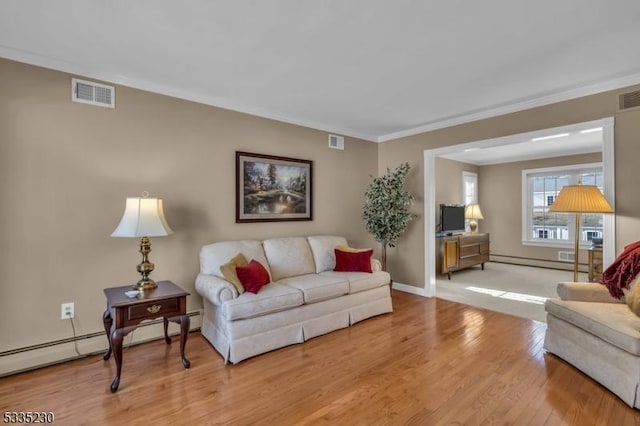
(143, 218)
(472, 212)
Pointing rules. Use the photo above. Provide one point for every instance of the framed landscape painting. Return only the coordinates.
(270, 188)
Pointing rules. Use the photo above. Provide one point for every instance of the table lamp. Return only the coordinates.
(143, 218)
(472, 211)
(580, 199)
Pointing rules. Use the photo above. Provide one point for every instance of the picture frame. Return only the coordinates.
(273, 189)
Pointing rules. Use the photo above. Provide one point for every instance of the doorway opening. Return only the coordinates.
(517, 143)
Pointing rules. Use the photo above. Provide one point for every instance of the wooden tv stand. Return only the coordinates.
(461, 251)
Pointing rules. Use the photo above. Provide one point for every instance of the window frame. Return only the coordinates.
(527, 203)
(472, 179)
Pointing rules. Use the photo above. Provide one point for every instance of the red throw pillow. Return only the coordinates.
(353, 261)
(253, 276)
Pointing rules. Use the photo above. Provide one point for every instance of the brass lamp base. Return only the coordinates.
(145, 285)
(473, 226)
(576, 249)
(145, 267)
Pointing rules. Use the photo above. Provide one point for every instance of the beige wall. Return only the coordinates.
(449, 182)
(66, 168)
(500, 189)
(406, 263)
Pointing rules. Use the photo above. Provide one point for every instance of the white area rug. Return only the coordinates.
(510, 289)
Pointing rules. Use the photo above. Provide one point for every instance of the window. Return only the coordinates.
(469, 192)
(590, 235)
(540, 187)
(470, 188)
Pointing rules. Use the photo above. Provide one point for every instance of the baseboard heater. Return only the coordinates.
(78, 338)
(561, 265)
(70, 340)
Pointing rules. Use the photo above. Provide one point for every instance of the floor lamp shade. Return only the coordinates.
(580, 199)
(143, 218)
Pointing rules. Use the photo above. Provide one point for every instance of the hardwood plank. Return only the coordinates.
(430, 362)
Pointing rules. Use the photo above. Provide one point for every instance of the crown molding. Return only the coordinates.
(566, 95)
(37, 59)
(75, 69)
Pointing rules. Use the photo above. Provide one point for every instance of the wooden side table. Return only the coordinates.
(595, 264)
(124, 314)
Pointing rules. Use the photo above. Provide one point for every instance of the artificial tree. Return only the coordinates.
(386, 210)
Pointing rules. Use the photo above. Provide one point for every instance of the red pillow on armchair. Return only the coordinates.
(353, 261)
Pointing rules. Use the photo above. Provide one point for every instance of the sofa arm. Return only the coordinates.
(214, 289)
(375, 265)
(585, 292)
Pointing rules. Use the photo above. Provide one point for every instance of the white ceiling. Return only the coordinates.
(374, 69)
(525, 147)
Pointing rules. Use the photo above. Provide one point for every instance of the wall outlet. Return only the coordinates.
(67, 311)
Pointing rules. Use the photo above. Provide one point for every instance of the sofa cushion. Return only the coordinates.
(360, 281)
(612, 322)
(272, 298)
(288, 257)
(214, 255)
(229, 273)
(322, 247)
(252, 276)
(316, 287)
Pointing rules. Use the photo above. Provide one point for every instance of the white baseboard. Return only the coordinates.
(409, 289)
(58, 353)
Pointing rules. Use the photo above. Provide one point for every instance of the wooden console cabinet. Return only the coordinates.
(462, 251)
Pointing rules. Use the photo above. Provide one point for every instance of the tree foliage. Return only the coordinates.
(386, 211)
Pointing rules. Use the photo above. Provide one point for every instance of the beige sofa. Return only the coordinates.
(305, 299)
(599, 335)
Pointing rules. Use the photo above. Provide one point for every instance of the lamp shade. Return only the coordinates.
(143, 217)
(580, 199)
(472, 211)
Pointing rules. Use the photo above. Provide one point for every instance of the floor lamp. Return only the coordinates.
(580, 199)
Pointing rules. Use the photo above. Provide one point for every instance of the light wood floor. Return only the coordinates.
(431, 362)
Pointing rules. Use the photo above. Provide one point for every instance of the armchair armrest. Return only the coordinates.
(215, 290)
(585, 292)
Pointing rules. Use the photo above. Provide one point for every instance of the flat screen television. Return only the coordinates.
(452, 217)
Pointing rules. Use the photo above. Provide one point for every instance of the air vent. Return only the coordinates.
(567, 256)
(630, 100)
(336, 142)
(88, 92)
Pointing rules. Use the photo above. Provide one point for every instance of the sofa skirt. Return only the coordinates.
(242, 339)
